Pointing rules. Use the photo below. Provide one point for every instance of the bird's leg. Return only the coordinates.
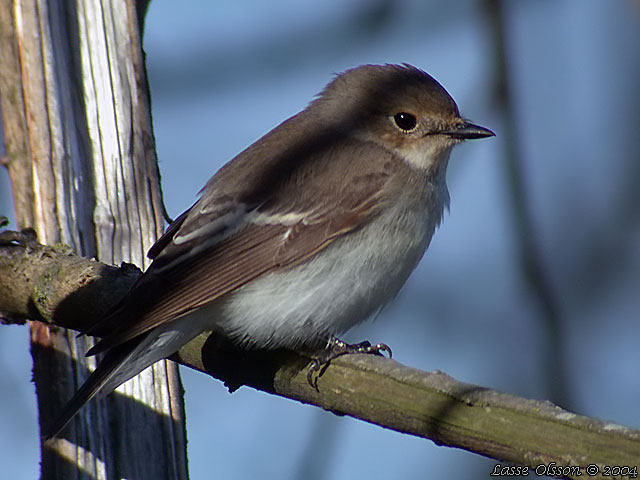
(336, 348)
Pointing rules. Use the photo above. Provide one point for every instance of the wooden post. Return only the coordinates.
(80, 154)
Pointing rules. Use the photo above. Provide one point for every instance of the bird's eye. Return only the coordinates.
(405, 121)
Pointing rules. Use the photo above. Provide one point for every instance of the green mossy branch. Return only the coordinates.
(55, 286)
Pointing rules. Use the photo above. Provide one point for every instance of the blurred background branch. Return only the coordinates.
(531, 257)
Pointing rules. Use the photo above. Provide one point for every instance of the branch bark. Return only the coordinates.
(59, 287)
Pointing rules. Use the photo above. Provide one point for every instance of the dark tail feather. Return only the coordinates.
(108, 367)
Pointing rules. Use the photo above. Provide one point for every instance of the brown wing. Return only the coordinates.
(231, 263)
(244, 224)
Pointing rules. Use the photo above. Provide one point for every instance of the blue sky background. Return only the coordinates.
(222, 75)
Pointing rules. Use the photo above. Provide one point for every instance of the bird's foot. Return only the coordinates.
(337, 348)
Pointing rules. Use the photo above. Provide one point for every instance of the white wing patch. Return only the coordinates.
(288, 219)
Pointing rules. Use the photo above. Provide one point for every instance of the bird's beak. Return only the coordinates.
(468, 131)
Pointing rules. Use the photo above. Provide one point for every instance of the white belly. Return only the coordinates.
(340, 287)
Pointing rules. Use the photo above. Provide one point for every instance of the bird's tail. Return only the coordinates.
(126, 360)
(105, 378)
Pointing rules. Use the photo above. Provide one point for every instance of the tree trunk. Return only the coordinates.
(80, 154)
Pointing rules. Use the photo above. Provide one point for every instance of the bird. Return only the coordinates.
(309, 231)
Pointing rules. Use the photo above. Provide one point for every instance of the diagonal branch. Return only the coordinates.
(53, 285)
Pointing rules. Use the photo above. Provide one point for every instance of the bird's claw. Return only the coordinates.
(337, 348)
